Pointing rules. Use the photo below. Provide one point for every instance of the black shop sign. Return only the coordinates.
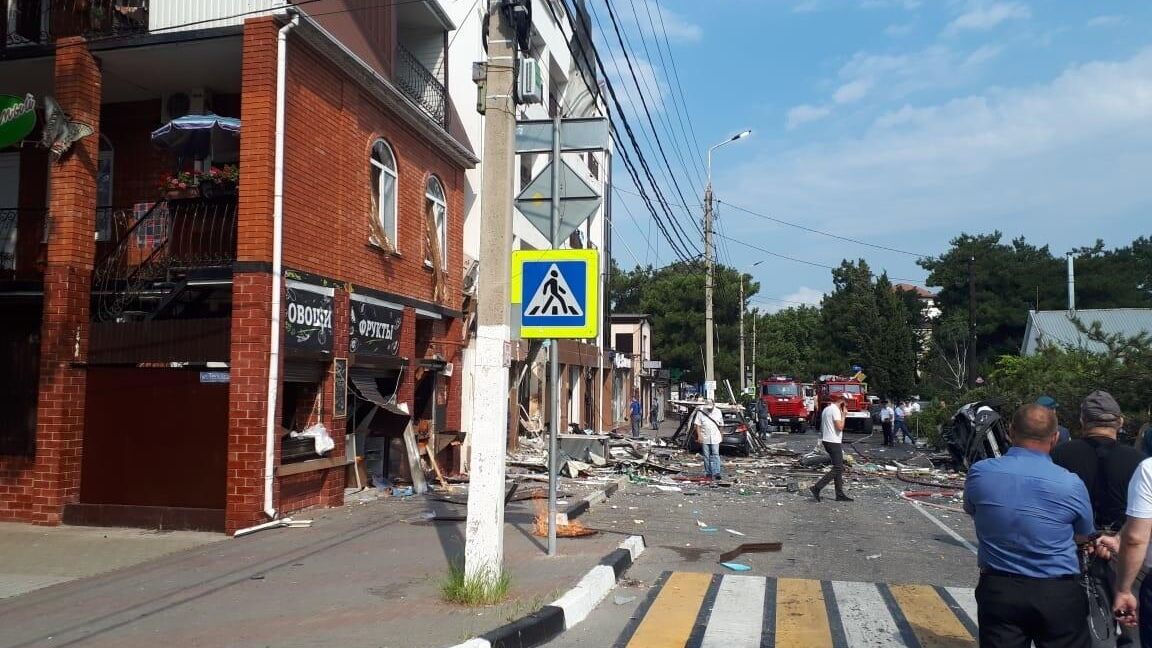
(375, 327)
(308, 321)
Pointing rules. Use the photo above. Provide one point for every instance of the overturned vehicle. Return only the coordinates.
(977, 431)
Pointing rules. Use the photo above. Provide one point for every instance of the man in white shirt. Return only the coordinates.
(887, 416)
(1135, 553)
(709, 418)
(832, 435)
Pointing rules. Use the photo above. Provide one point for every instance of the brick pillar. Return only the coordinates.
(67, 291)
(252, 289)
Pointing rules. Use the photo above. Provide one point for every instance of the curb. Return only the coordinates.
(583, 504)
(570, 609)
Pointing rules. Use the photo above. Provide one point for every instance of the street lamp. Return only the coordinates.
(743, 373)
(709, 262)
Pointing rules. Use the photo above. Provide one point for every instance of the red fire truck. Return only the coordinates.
(858, 418)
(784, 398)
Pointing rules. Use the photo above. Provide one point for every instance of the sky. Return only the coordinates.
(897, 123)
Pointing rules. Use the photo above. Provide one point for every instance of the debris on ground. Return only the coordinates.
(752, 547)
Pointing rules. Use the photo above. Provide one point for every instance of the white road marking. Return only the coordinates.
(864, 615)
(735, 621)
(923, 511)
(966, 597)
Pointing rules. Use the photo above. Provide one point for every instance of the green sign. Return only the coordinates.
(17, 118)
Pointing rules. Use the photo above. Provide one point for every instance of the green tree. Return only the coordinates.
(785, 342)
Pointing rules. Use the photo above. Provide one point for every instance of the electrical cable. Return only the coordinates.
(805, 262)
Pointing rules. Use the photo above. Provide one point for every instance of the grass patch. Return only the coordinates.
(483, 589)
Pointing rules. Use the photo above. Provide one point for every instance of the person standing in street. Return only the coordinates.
(1136, 557)
(1029, 515)
(654, 413)
(1106, 467)
(635, 416)
(709, 418)
(832, 436)
(901, 424)
(887, 415)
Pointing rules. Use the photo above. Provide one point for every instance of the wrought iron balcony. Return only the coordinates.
(39, 22)
(157, 251)
(421, 86)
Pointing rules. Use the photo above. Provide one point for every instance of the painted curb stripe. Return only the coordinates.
(906, 633)
(704, 612)
(641, 611)
(933, 622)
(801, 619)
(619, 560)
(768, 624)
(533, 630)
(670, 620)
(732, 623)
(865, 617)
(835, 623)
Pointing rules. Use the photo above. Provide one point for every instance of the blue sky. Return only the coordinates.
(896, 122)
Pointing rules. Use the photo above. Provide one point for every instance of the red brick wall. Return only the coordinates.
(36, 490)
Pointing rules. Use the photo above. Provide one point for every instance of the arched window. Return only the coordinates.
(382, 165)
(437, 209)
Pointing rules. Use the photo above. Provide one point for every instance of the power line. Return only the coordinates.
(680, 88)
(805, 262)
(823, 233)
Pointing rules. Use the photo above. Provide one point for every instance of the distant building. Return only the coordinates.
(635, 372)
(1059, 327)
(929, 313)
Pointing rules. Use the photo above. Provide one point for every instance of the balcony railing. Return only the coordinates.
(421, 86)
(156, 250)
(39, 22)
(21, 239)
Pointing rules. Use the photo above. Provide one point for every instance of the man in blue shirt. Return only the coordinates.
(636, 416)
(1029, 515)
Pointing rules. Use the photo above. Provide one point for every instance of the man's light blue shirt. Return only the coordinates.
(1027, 510)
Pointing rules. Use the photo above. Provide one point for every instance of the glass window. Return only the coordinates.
(780, 389)
(383, 170)
(438, 206)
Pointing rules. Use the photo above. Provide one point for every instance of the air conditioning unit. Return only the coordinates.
(471, 274)
(530, 84)
(195, 101)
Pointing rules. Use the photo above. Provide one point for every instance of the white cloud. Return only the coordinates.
(1107, 21)
(802, 296)
(803, 114)
(678, 27)
(809, 6)
(898, 30)
(852, 91)
(984, 16)
(1065, 161)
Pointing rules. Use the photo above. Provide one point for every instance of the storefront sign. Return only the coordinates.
(17, 118)
(214, 377)
(375, 326)
(308, 321)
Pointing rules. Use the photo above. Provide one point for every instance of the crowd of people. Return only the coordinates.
(1063, 528)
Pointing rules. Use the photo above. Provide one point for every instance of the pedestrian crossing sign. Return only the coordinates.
(556, 293)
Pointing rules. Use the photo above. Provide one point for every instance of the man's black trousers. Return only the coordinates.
(836, 453)
(1015, 611)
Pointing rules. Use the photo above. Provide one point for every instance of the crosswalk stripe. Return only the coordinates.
(670, 620)
(963, 604)
(730, 625)
(801, 621)
(865, 616)
(931, 619)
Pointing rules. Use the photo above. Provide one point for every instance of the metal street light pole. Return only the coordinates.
(743, 372)
(709, 262)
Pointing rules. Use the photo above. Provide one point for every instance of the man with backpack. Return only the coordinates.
(1106, 468)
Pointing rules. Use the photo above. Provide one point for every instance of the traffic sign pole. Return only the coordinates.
(554, 351)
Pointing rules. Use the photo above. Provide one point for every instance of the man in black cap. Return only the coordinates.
(1106, 467)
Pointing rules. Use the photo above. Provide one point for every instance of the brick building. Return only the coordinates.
(148, 324)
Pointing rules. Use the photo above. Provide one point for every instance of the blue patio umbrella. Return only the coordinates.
(198, 136)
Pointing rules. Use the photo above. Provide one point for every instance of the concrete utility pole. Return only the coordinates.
(755, 317)
(709, 263)
(484, 534)
(743, 369)
(971, 357)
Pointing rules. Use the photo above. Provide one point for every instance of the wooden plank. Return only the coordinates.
(311, 465)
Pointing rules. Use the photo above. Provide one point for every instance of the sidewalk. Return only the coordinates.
(366, 574)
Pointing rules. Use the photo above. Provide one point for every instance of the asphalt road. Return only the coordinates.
(879, 538)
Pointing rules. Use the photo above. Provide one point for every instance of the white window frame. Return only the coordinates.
(379, 171)
(440, 217)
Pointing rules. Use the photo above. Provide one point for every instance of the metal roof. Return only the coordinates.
(1058, 327)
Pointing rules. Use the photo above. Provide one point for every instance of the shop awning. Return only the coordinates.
(364, 384)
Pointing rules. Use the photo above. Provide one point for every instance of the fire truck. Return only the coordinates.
(857, 418)
(783, 396)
